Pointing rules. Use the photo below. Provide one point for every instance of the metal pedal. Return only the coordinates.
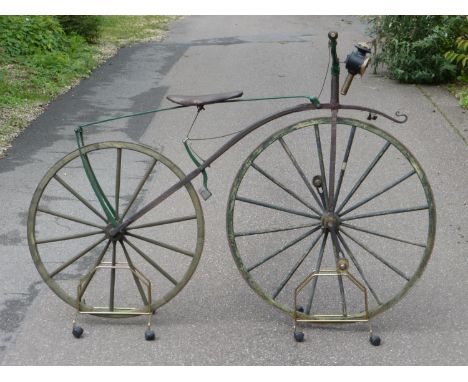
(204, 192)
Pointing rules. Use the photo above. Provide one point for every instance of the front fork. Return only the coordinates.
(334, 102)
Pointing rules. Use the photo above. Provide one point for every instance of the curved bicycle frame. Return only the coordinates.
(314, 104)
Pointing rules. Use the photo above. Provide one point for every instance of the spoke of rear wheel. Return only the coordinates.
(373, 196)
(163, 222)
(161, 244)
(139, 187)
(296, 266)
(96, 263)
(317, 269)
(344, 164)
(112, 278)
(378, 257)
(381, 235)
(135, 278)
(118, 171)
(300, 172)
(275, 207)
(151, 261)
(67, 217)
(80, 255)
(70, 237)
(387, 212)
(283, 187)
(284, 248)
(322, 167)
(272, 230)
(364, 175)
(78, 196)
(358, 267)
(336, 253)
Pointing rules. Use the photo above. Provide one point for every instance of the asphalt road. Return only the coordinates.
(217, 319)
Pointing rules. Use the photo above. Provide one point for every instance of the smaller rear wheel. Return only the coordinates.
(69, 235)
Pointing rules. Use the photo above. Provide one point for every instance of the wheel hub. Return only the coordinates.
(114, 234)
(330, 221)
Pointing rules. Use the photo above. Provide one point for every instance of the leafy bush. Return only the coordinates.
(413, 47)
(88, 27)
(460, 57)
(24, 35)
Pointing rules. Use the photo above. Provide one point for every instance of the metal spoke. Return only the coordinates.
(336, 253)
(271, 230)
(381, 259)
(163, 222)
(296, 266)
(67, 217)
(118, 171)
(373, 196)
(317, 268)
(358, 267)
(78, 196)
(272, 206)
(112, 278)
(283, 187)
(344, 164)
(300, 172)
(285, 247)
(96, 263)
(81, 254)
(135, 278)
(139, 187)
(164, 245)
(152, 262)
(322, 167)
(382, 235)
(364, 175)
(70, 237)
(387, 212)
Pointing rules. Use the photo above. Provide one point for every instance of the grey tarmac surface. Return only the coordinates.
(217, 319)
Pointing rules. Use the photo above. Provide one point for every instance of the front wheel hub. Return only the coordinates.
(330, 221)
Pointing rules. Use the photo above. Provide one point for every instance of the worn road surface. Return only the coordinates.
(217, 319)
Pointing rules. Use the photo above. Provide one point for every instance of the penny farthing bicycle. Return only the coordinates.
(114, 224)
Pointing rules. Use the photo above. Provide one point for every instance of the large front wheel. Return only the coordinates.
(283, 223)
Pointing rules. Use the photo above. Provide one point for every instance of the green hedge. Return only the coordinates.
(26, 35)
(413, 47)
(88, 27)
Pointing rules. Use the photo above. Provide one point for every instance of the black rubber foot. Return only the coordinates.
(299, 336)
(77, 331)
(300, 309)
(374, 340)
(149, 335)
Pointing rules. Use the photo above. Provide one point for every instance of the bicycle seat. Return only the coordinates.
(200, 100)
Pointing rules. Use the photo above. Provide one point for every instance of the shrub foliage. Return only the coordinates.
(88, 27)
(413, 47)
(26, 35)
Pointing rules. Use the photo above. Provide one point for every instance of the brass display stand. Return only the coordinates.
(111, 310)
(341, 271)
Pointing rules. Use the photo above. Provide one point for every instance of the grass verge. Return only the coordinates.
(460, 91)
(29, 83)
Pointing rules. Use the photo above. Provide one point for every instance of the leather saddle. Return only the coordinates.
(201, 100)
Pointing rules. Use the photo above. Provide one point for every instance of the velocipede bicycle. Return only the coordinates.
(293, 217)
